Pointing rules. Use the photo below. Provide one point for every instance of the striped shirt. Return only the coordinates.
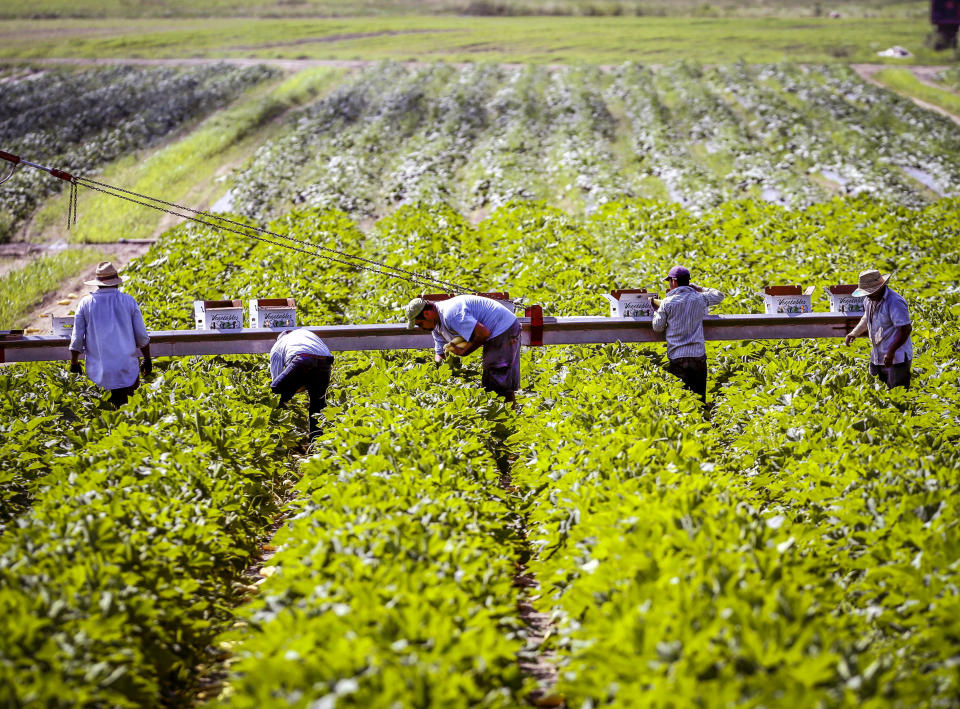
(681, 314)
(294, 342)
(109, 331)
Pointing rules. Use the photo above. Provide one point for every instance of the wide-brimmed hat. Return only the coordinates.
(414, 308)
(106, 275)
(870, 282)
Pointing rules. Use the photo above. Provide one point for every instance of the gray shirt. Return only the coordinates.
(109, 331)
(681, 314)
(460, 315)
(882, 320)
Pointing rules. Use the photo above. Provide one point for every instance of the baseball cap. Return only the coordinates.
(677, 272)
(414, 308)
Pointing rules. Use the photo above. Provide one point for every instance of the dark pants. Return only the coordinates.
(118, 397)
(501, 362)
(310, 373)
(692, 371)
(896, 375)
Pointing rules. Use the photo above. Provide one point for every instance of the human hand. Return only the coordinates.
(888, 359)
(456, 347)
(146, 366)
(75, 368)
(849, 338)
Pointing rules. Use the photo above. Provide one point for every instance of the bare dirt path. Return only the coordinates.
(65, 299)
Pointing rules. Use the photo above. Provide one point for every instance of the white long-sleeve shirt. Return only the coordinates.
(294, 342)
(109, 331)
(681, 314)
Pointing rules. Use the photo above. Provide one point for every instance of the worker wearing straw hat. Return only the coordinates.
(887, 322)
(109, 329)
(466, 323)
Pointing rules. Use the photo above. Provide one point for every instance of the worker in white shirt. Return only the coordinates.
(887, 322)
(681, 314)
(108, 329)
(300, 361)
(465, 323)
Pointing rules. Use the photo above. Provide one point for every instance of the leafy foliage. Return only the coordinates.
(80, 120)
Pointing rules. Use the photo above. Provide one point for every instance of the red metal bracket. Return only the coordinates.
(61, 174)
(535, 313)
(10, 157)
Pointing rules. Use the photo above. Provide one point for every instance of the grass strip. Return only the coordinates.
(604, 40)
(905, 82)
(191, 170)
(23, 290)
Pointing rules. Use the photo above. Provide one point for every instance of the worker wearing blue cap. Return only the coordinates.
(680, 314)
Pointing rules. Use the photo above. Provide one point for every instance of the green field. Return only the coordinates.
(603, 40)
(611, 543)
(325, 8)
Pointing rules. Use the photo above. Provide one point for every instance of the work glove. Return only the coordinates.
(146, 366)
(75, 368)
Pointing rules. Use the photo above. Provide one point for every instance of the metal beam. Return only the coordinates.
(15, 347)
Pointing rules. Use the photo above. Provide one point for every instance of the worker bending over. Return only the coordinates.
(108, 329)
(887, 321)
(465, 323)
(681, 314)
(299, 360)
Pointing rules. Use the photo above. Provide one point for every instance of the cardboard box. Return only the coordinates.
(631, 303)
(62, 325)
(502, 298)
(274, 313)
(788, 300)
(218, 314)
(842, 300)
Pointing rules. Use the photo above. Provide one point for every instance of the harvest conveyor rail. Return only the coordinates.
(16, 347)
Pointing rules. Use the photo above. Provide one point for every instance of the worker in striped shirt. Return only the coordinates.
(680, 314)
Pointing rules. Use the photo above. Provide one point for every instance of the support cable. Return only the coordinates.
(189, 213)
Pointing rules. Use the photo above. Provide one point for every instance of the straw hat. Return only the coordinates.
(106, 275)
(870, 282)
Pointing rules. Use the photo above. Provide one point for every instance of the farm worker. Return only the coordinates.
(109, 330)
(680, 313)
(887, 322)
(299, 360)
(465, 323)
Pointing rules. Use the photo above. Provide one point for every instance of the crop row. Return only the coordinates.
(795, 544)
(483, 135)
(80, 120)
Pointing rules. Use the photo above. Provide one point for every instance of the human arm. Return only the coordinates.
(439, 354)
(146, 364)
(903, 332)
(78, 340)
(142, 339)
(859, 329)
(479, 335)
(711, 295)
(659, 322)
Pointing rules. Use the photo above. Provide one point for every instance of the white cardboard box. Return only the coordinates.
(631, 303)
(842, 300)
(274, 313)
(788, 300)
(218, 314)
(62, 325)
